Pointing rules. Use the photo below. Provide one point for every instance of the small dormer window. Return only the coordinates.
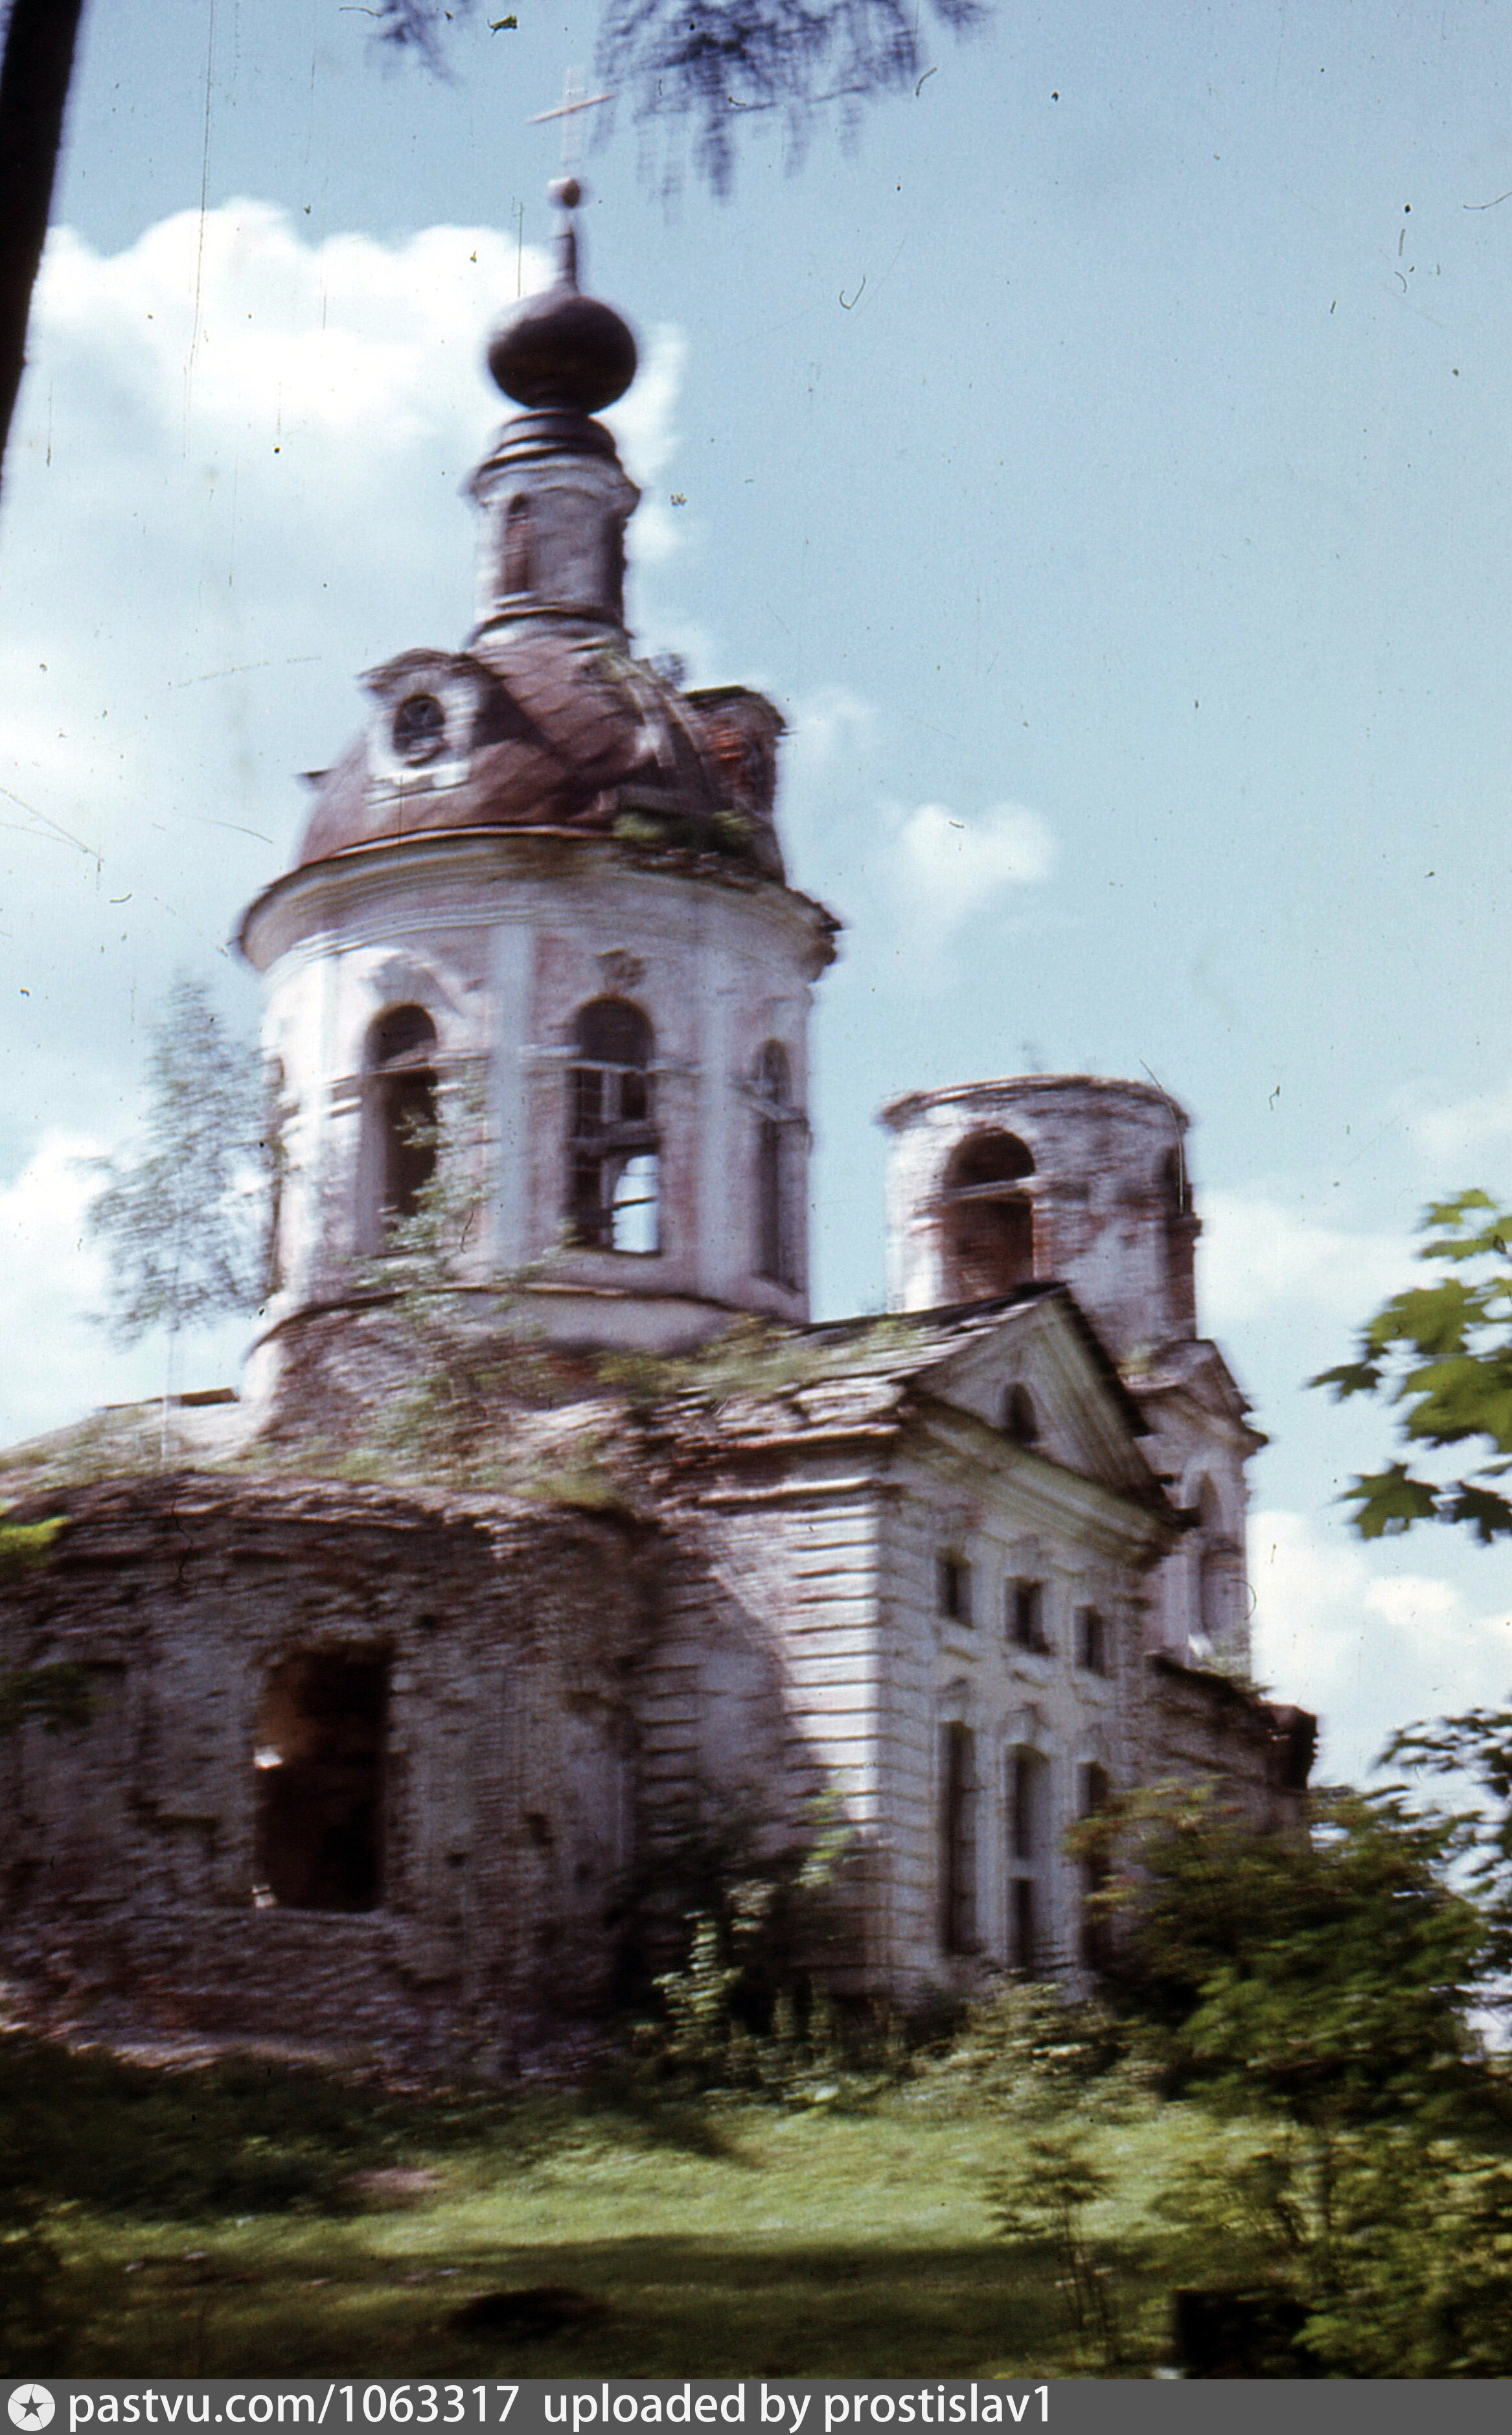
(419, 729)
(1021, 1422)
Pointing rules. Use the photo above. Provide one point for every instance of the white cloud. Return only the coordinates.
(828, 725)
(52, 1277)
(644, 425)
(1257, 1255)
(1343, 1629)
(1467, 1128)
(943, 870)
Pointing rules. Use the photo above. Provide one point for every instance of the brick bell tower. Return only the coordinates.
(544, 887)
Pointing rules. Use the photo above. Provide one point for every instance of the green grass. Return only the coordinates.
(209, 2222)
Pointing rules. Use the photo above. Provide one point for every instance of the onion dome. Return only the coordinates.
(545, 721)
(561, 350)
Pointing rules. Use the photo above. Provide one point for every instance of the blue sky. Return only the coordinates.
(1104, 462)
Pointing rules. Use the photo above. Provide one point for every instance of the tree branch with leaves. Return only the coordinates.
(1440, 1357)
(704, 69)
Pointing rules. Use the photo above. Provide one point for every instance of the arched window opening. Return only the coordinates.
(403, 1033)
(1021, 1422)
(403, 1046)
(318, 1757)
(1182, 1230)
(1095, 1791)
(987, 1220)
(614, 1152)
(519, 546)
(776, 1142)
(958, 1789)
(1030, 1844)
(1218, 1568)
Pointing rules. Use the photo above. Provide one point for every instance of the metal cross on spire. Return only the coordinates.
(574, 100)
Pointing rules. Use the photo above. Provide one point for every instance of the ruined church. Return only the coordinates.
(370, 1764)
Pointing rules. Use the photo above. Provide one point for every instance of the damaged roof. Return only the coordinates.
(547, 728)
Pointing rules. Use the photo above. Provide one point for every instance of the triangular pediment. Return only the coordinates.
(1038, 1375)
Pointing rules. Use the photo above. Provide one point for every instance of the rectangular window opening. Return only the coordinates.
(958, 1929)
(1026, 1616)
(635, 1209)
(614, 1188)
(954, 1589)
(318, 1757)
(1029, 1845)
(1091, 1641)
(1024, 1952)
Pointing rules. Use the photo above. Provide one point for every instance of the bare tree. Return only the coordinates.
(698, 72)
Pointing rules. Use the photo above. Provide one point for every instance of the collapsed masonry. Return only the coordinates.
(384, 1769)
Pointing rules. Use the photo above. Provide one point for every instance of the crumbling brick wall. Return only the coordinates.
(1257, 1756)
(506, 1644)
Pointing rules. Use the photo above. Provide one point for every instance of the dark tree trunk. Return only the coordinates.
(39, 60)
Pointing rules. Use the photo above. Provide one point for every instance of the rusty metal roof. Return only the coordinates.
(560, 730)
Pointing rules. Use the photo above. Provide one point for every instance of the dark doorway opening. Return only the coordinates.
(319, 1782)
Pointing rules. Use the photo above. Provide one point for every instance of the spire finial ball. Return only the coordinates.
(568, 192)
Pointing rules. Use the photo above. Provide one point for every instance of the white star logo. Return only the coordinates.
(31, 2406)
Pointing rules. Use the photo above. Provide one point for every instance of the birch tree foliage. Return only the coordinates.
(182, 1211)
